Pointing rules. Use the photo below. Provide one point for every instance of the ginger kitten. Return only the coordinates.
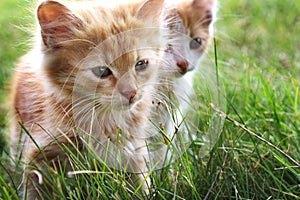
(89, 80)
(191, 22)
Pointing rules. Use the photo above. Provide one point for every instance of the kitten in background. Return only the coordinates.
(191, 23)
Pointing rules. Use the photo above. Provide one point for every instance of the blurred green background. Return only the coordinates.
(258, 49)
(15, 16)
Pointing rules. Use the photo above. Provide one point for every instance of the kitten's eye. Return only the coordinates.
(102, 72)
(196, 43)
(141, 65)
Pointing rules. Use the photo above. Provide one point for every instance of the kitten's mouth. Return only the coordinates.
(134, 100)
(125, 104)
(181, 62)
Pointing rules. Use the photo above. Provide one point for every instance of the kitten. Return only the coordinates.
(89, 80)
(192, 24)
(194, 34)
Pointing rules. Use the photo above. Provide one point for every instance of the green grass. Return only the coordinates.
(13, 38)
(258, 50)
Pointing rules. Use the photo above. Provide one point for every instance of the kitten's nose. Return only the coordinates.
(183, 65)
(129, 94)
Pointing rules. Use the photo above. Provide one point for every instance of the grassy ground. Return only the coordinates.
(259, 65)
(12, 45)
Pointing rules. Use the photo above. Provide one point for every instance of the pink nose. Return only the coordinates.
(183, 65)
(129, 94)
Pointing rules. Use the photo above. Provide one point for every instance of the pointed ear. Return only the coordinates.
(173, 20)
(57, 23)
(207, 7)
(150, 12)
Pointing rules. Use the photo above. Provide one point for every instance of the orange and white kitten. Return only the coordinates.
(194, 33)
(192, 26)
(90, 79)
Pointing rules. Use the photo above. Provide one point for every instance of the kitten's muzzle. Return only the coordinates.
(181, 63)
(183, 66)
(129, 94)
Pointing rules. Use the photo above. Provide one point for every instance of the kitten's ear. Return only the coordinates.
(150, 12)
(57, 23)
(173, 20)
(207, 7)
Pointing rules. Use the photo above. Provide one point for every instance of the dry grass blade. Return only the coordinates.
(226, 117)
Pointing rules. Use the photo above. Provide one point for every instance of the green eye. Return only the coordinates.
(102, 72)
(196, 43)
(141, 65)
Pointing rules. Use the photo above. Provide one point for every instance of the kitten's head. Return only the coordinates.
(108, 57)
(193, 32)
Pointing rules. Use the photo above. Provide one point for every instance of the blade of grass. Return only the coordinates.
(222, 114)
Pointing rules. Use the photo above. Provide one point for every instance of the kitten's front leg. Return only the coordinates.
(33, 180)
(144, 178)
(140, 165)
(141, 180)
(36, 186)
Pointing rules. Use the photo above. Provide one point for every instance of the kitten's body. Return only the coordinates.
(60, 99)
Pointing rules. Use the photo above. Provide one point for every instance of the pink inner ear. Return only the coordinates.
(49, 11)
(150, 11)
(56, 23)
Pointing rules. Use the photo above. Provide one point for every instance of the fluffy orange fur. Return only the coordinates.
(90, 79)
